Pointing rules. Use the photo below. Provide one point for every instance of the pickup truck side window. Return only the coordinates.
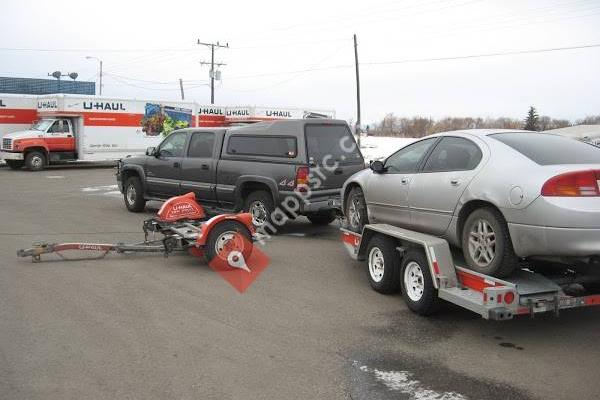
(201, 145)
(406, 160)
(453, 154)
(56, 127)
(269, 146)
(173, 145)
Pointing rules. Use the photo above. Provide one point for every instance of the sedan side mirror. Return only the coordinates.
(150, 151)
(377, 167)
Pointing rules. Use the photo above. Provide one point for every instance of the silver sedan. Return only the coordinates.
(500, 195)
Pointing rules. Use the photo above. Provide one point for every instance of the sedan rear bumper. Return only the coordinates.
(531, 240)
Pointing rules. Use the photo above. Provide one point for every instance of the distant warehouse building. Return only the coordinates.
(45, 86)
(586, 133)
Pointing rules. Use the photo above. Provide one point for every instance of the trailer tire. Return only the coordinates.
(383, 264)
(221, 233)
(133, 194)
(417, 284)
(356, 210)
(35, 160)
(15, 164)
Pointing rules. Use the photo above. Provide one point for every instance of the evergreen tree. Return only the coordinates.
(532, 120)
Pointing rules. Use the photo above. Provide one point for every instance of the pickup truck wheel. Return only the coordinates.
(486, 243)
(15, 164)
(260, 204)
(321, 218)
(35, 161)
(134, 195)
(230, 235)
(356, 210)
(417, 285)
(383, 264)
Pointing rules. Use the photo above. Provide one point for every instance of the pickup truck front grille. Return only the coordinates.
(6, 144)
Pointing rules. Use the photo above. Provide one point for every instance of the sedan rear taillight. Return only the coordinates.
(573, 184)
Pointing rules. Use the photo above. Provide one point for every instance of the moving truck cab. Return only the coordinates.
(49, 139)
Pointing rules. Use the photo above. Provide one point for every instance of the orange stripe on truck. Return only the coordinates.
(17, 116)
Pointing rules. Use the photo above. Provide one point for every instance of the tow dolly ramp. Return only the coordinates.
(524, 292)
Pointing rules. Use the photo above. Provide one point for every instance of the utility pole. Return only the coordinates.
(181, 87)
(100, 77)
(357, 130)
(212, 65)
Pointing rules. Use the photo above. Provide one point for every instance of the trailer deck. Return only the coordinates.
(524, 292)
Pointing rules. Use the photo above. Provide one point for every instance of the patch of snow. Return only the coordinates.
(99, 188)
(380, 147)
(403, 382)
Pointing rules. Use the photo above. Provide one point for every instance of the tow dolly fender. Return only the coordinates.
(243, 218)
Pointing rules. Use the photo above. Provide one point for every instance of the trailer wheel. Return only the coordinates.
(383, 264)
(35, 160)
(15, 164)
(224, 232)
(134, 195)
(417, 284)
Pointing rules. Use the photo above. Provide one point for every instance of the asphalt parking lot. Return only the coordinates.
(148, 327)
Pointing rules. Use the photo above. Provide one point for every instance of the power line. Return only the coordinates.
(420, 60)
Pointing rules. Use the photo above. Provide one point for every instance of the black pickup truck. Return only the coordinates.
(294, 166)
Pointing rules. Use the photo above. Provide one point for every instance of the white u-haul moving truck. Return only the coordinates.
(39, 130)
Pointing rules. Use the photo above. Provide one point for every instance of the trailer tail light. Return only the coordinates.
(302, 175)
(573, 184)
(509, 297)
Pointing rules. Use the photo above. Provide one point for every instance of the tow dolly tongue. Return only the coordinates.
(235, 259)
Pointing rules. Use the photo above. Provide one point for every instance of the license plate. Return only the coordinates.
(336, 202)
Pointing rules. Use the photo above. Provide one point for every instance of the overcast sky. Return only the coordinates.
(146, 46)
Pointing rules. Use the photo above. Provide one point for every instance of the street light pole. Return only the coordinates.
(100, 62)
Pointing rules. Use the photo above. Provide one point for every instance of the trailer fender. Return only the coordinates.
(243, 218)
(436, 250)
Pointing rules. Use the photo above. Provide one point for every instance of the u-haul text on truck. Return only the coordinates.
(39, 130)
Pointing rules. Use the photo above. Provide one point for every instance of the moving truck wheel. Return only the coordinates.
(35, 160)
(134, 195)
(15, 164)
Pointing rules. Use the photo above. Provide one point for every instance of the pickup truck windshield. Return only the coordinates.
(42, 125)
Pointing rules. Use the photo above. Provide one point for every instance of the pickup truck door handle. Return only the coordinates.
(205, 166)
(176, 164)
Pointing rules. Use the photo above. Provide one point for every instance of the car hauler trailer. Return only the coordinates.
(425, 270)
(38, 130)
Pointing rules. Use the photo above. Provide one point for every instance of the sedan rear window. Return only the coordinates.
(547, 149)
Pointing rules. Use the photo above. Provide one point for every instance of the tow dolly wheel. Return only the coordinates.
(228, 235)
(417, 285)
(383, 264)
